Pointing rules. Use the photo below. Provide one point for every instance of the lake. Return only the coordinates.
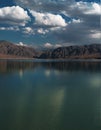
(50, 95)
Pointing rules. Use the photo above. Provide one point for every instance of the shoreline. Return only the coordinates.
(69, 59)
(50, 60)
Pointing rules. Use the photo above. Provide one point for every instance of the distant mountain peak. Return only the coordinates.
(8, 48)
(74, 52)
(91, 51)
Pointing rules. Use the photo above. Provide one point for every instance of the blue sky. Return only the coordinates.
(50, 22)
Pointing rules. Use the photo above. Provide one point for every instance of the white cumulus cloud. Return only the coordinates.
(28, 30)
(9, 28)
(75, 21)
(95, 9)
(50, 45)
(89, 8)
(48, 19)
(14, 15)
(42, 31)
(96, 34)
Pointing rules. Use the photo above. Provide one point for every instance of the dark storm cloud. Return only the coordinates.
(74, 33)
(87, 30)
(81, 33)
(89, 1)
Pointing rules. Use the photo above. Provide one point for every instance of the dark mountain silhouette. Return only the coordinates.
(74, 52)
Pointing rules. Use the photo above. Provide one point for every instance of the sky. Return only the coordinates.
(50, 22)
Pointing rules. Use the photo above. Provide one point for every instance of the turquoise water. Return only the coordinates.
(41, 95)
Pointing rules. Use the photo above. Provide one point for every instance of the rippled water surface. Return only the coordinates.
(41, 95)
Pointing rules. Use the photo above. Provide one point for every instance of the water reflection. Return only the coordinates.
(50, 95)
(11, 66)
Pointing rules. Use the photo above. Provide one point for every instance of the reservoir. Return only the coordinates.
(50, 95)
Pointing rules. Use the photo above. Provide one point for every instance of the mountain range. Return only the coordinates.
(74, 52)
(10, 50)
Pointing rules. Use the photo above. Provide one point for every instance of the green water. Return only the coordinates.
(50, 95)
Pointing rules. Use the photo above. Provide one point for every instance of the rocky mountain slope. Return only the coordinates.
(8, 49)
(74, 52)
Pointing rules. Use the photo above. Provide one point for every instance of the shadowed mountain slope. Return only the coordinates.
(81, 52)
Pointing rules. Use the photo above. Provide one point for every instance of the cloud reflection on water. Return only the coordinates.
(40, 95)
